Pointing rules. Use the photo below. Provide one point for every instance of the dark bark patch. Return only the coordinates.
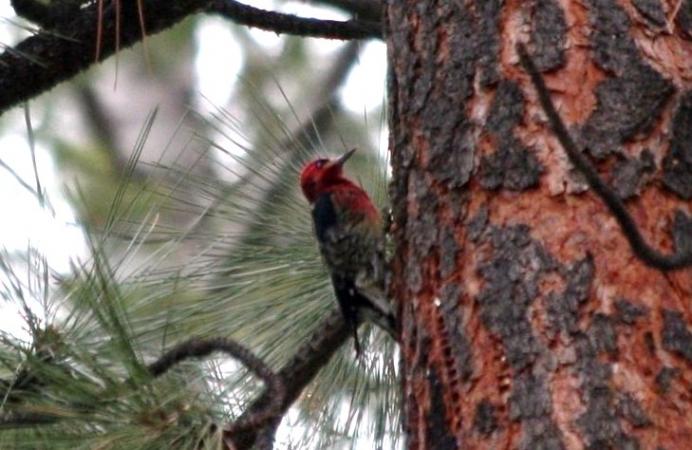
(599, 423)
(419, 234)
(684, 18)
(612, 45)
(530, 402)
(627, 312)
(630, 102)
(462, 354)
(652, 11)
(507, 108)
(665, 378)
(485, 421)
(629, 174)
(548, 35)
(449, 250)
(543, 435)
(632, 411)
(675, 336)
(489, 40)
(446, 128)
(451, 150)
(650, 343)
(512, 166)
(478, 224)
(440, 112)
(628, 443)
(414, 276)
(421, 226)
(437, 432)
(595, 374)
(458, 205)
(602, 334)
(682, 231)
(398, 192)
(626, 106)
(511, 277)
(563, 308)
(677, 164)
(530, 398)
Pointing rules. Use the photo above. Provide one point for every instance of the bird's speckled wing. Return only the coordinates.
(351, 239)
(352, 245)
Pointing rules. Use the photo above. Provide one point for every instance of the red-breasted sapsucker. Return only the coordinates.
(351, 239)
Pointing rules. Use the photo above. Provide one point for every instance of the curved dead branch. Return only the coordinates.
(196, 348)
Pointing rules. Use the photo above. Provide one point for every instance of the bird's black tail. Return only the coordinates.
(356, 307)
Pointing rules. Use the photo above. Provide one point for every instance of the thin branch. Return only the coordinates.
(300, 26)
(648, 255)
(196, 348)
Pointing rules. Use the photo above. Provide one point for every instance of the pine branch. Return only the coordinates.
(640, 247)
(257, 425)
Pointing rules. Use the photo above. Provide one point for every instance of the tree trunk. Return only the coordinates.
(527, 320)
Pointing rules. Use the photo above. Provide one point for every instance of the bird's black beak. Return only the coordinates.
(343, 158)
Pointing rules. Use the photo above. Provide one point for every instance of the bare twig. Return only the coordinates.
(647, 254)
(300, 26)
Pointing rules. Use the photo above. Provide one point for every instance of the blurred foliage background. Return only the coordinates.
(154, 199)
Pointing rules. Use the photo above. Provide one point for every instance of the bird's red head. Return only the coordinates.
(321, 174)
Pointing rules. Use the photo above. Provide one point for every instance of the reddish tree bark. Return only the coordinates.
(528, 322)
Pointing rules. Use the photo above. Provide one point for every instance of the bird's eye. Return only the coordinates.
(320, 163)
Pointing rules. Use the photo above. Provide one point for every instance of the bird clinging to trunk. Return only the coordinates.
(351, 238)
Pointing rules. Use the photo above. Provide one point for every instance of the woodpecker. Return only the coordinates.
(349, 231)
